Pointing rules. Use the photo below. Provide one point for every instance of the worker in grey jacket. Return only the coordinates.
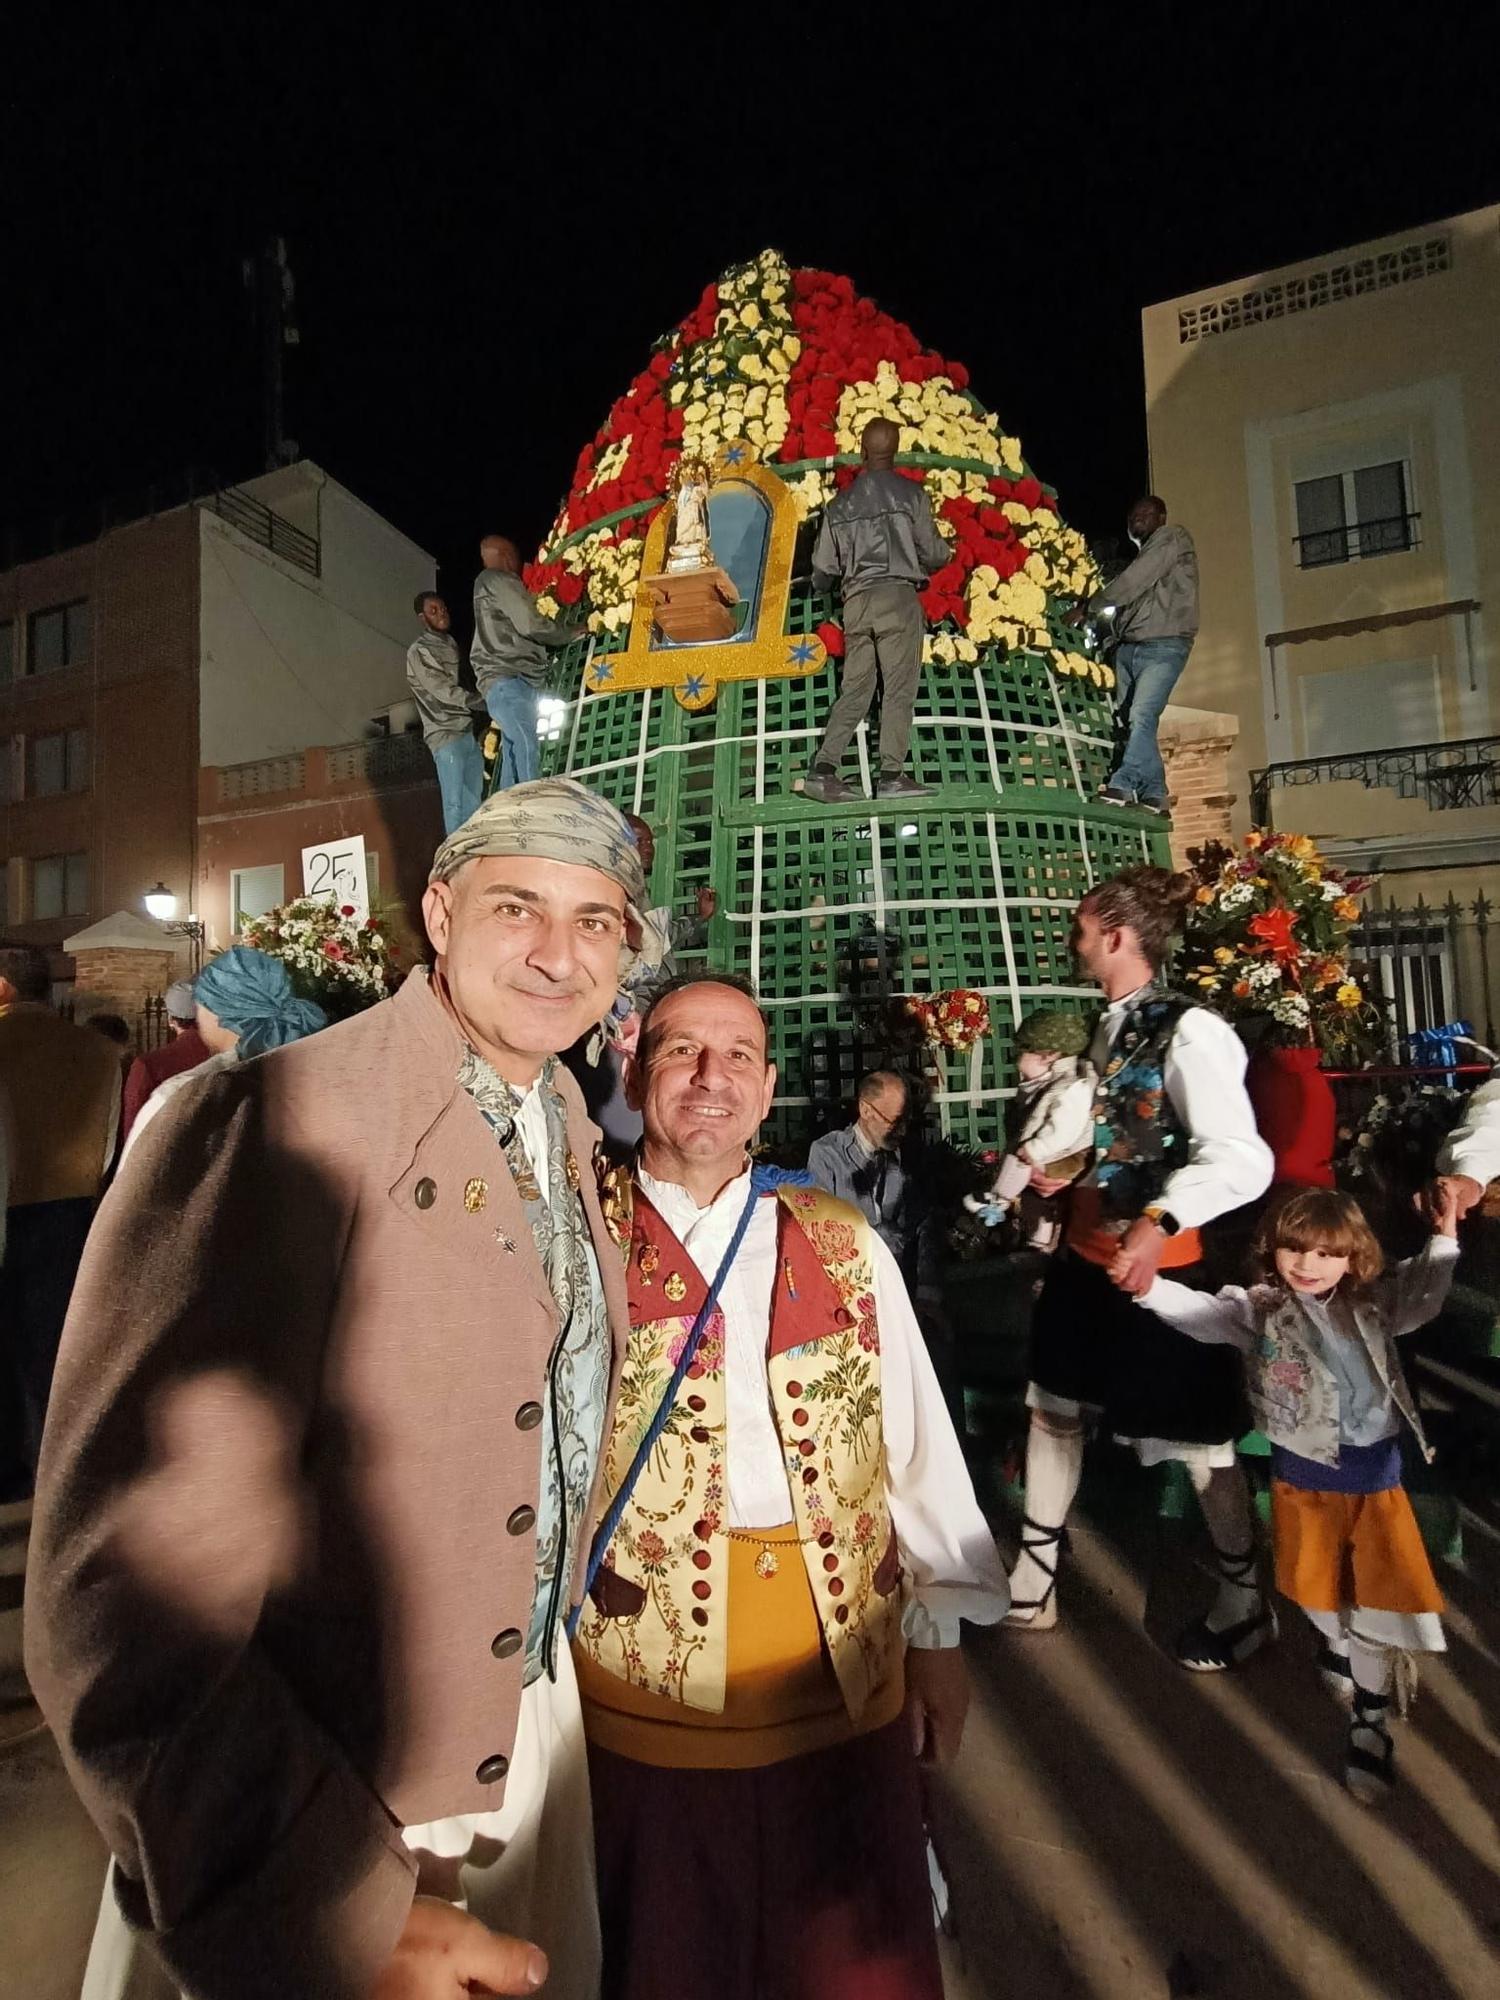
(878, 540)
(509, 655)
(1154, 607)
(447, 710)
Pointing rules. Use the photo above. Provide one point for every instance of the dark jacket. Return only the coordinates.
(879, 530)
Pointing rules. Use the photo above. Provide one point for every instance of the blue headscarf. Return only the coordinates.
(251, 993)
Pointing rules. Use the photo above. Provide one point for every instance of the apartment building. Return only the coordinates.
(247, 626)
(1330, 432)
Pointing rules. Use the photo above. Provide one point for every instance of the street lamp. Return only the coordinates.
(162, 904)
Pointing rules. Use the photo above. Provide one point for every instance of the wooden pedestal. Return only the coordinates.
(694, 605)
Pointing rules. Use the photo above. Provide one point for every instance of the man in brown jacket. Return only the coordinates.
(318, 1482)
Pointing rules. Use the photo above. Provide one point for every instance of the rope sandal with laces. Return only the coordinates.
(1037, 1614)
(1369, 1754)
(1204, 1651)
(1336, 1673)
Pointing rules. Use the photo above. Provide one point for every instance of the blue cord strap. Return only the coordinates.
(763, 1180)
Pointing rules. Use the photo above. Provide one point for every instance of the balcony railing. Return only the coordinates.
(1384, 537)
(253, 518)
(1445, 775)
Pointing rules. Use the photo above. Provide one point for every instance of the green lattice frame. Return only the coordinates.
(832, 911)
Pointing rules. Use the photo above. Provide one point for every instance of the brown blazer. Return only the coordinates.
(302, 1221)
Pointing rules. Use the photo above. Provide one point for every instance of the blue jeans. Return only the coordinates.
(460, 773)
(512, 706)
(1146, 671)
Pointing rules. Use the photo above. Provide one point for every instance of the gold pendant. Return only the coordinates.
(676, 1288)
(766, 1564)
(476, 1194)
(574, 1177)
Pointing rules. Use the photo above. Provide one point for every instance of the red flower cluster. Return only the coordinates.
(844, 339)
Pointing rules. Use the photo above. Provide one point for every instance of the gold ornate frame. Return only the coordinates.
(694, 672)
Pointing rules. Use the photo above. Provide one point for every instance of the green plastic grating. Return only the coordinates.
(835, 914)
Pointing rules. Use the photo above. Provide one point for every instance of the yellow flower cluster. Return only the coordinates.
(610, 464)
(1066, 567)
(738, 385)
(613, 570)
(811, 491)
(949, 649)
(936, 416)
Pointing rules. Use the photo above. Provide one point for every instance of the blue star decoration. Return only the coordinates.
(734, 454)
(693, 687)
(804, 651)
(602, 674)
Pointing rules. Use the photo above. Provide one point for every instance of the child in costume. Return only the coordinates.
(1050, 1121)
(1329, 1393)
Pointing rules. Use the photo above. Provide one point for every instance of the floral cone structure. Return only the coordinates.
(834, 912)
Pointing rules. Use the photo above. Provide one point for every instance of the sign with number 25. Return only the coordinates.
(336, 870)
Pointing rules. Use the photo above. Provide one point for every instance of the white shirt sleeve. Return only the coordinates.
(946, 1546)
(1228, 1163)
(1419, 1286)
(1225, 1319)
(1473, 1148)
(112, 1131)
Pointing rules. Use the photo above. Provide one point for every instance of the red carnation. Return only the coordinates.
(569, 587)
(833, 639)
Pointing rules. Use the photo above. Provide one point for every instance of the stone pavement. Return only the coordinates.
(1116, 1829)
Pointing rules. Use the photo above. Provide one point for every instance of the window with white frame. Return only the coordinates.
(59, 886)
(253, 891)
(57, 637)
(59, 762)
(1349, 516)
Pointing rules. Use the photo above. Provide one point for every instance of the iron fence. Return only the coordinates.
(1432, 964)
(1387, 535)
(1444, 775)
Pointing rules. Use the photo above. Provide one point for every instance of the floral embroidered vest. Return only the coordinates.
(659, 1607)
(1293, 1391)
(1139, 1140)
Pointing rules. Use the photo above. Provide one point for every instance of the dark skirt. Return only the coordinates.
(1092, 1343)
(803, 1880)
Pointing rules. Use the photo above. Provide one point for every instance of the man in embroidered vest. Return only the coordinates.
(319, 1478)
(1175, 1147)
(771, 1642)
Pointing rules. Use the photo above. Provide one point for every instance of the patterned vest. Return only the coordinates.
(1293, 1391)
(659, 1612)
(1139, 1140)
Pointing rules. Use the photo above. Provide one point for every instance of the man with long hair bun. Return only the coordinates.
(1175, 1146)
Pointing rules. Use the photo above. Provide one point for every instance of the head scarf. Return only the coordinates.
(561, 820)
(1059, 1031)
(251, 993)
(182, 1003)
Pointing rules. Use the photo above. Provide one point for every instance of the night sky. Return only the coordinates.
(488, 224)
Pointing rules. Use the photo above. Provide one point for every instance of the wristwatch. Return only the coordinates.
(1164, 1219)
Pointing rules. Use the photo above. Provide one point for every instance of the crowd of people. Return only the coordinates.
(878, 543)
(459, 1561)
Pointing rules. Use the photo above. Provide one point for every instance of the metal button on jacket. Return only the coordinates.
(424, 1194)
(521, 1522)
(492, 1770)
(505, 1645)
(528, 1416)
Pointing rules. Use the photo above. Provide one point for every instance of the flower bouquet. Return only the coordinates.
(333, 957)
(1267, 943)
(958, 1020)
(953, 1020)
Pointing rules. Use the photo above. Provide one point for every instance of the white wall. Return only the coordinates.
(289, 660)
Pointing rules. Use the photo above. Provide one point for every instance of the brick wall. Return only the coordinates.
(1196, 745)
(116, 981)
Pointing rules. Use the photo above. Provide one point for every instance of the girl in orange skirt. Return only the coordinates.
(1327, 1387)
